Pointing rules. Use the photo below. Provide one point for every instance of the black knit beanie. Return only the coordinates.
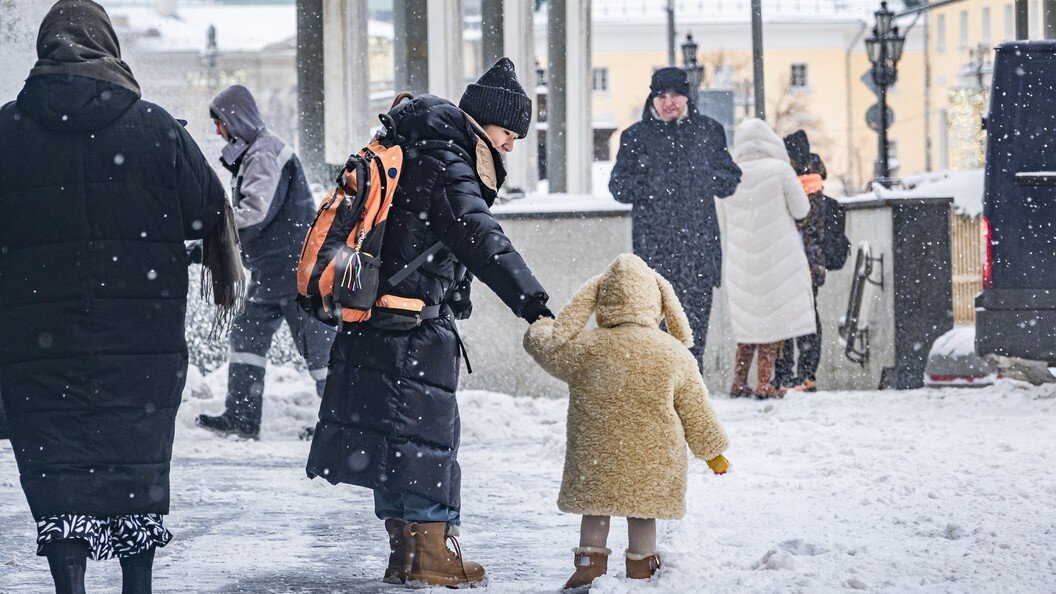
(669, 80)
(798, 147)
(497, 98)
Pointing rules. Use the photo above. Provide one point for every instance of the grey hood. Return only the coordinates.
(237, 109)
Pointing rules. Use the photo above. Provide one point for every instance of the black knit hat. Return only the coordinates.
(669, 80)
(497, 98)
(798, 146)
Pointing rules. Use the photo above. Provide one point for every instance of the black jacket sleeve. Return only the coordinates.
(725, 174)
(200, 192)
(460, 218)
(630, 175)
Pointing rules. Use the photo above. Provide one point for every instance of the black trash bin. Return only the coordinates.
(1016, 310)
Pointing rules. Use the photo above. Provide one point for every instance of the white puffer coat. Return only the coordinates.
(765, 270)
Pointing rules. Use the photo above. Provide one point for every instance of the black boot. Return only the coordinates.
(137, 572)
(67, 559)
(224, 425)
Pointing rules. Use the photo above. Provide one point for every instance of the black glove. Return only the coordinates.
(458, 301)
(535, 309)
(194, 252)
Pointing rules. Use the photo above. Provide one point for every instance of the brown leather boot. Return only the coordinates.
(401, 547)
(765, 368)
(591, 563)
(742, 362)
(642, 567)
(433, 564)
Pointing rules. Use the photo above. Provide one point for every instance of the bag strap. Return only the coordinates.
(414, 264)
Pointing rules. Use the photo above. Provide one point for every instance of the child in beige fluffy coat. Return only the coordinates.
(636, 398)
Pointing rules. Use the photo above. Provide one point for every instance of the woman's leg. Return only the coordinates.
(137, 572)
(742, 362)
(641, 536)
(67, 559)
(594, 532)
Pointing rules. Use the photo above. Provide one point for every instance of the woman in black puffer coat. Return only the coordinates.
(389, 418)
(98, 191)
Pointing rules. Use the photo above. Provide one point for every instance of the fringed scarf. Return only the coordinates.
(222, 272)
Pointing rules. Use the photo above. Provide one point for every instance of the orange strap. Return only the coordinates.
(404, 303)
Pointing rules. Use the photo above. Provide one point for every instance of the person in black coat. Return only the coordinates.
(389, 419)
(98, 192)
(671, 166)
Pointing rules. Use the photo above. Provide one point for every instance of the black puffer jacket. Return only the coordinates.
(98, 191)
(671, 172)
(389, 418)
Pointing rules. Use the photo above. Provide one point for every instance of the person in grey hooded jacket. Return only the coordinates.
(273, 208)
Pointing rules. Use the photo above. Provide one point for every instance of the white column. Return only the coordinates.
(346, 78)
(579, 88)
(522, 165)
(446, 78)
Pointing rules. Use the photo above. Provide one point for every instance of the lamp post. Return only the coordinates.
(694, 71)
(884, 48)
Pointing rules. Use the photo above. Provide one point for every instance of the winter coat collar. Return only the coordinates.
(754, 140)
(66, 103)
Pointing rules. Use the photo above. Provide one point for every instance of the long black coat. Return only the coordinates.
(389, 418)
(98, 191)
(671, 172)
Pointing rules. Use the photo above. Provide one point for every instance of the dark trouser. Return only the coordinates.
(4, 431)
(809, 346)
(697, 303)
(251, 334)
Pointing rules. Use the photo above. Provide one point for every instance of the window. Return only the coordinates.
(799, 76)
(1010, 23)
(940, 34)
(964, 29)
(601, 80)
(986, 26)
(1035, 19)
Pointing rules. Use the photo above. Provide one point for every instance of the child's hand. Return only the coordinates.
(719, 464)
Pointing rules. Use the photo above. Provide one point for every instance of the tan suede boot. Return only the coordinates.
(742, 362)
(642, 567)
(433, 564)
(401, 547)
(765, 368)
(591, 563)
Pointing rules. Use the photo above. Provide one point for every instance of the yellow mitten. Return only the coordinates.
(719, 464)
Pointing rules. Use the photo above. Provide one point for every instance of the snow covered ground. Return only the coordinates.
(930, 490)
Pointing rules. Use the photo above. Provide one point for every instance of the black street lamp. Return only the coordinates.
(694, 71)
(884, 48)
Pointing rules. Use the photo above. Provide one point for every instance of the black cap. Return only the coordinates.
(497, 98)
(669, 80)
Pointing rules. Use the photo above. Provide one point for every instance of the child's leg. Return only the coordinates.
(594, 531)
(641, 536)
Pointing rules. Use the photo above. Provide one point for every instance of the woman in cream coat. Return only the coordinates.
(765, 273)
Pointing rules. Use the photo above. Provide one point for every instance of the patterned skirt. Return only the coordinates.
(116, 536)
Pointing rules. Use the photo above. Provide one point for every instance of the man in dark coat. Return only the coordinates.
(671, 167)
(389, 418)
(273, 208)
(98, 192)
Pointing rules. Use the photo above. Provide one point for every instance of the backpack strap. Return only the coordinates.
(414, 264)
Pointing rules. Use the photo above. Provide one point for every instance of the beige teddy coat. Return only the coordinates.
(636, 397)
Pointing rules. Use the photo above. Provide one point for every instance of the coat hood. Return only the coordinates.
(77, 38)
(629, 292)
(237, 109)
(753, 140)
(63, 103)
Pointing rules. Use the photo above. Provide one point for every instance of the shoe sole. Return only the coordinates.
(431, 579)
(227, 433)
